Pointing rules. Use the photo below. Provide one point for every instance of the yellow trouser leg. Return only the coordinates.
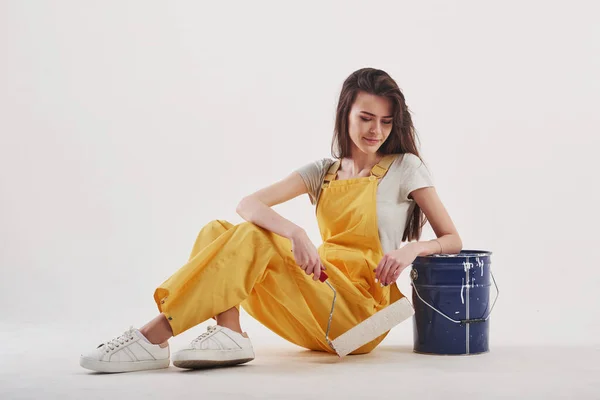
(248, 265)
(226, 263)
(208, 234)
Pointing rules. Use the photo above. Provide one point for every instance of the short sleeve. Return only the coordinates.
(415, 175)
(313, 174)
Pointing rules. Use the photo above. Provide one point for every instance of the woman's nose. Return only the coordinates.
(376, 128)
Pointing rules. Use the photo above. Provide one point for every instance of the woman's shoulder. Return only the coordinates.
(322, 163)
(407, 161)
(326, 162)
(316, 167)
(406, 166)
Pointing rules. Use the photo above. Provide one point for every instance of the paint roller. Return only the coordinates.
(369, 329)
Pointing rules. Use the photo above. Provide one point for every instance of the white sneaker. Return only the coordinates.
(126, 353)
(218, 346)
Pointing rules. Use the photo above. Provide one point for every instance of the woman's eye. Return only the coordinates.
(368, 119)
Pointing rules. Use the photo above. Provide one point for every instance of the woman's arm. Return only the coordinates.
(448, 240)
(256, 207)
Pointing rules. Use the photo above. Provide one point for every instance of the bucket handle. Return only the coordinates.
(414, 275)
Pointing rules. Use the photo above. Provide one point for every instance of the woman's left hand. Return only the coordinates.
(393, 263)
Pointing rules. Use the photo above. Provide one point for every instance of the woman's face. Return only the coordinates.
(370, 118)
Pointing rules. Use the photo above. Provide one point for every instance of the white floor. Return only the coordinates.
(31, 368)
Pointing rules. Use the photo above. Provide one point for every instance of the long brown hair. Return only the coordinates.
(402, 138)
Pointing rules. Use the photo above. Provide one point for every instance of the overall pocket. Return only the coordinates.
(352, 264)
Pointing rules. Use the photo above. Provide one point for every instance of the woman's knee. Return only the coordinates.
(251, 229)
(249, 226)
(219, 224)
(208, 233)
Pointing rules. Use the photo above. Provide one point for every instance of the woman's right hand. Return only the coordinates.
(306, 255)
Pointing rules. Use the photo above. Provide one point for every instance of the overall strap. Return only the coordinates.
(378, 170)
(330, 175)
(383, 165)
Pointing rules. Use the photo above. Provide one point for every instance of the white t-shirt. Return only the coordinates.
(407, 173)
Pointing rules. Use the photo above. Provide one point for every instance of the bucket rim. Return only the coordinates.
(462, 254)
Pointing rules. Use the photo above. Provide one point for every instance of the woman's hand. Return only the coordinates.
(306, 255)
(393, 263)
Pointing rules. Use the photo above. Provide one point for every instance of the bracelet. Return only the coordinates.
(441, 248)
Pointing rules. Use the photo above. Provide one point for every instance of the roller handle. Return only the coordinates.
(323, 277)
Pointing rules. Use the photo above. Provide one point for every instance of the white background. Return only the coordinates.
(127, 126)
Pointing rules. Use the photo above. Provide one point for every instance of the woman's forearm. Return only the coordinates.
(446, 244)
(255, 211)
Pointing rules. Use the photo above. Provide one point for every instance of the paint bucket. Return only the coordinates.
(451, 297)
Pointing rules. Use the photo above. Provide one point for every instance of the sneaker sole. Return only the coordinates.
(218, 358)
(107, 366)
(202, 364)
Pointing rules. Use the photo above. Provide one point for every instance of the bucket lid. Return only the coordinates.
(462, 254)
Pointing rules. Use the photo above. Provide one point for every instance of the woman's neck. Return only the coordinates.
(359, 163)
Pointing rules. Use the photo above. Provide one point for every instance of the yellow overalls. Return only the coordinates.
(249, 265)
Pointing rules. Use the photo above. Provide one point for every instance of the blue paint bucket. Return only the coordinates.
(451, 297)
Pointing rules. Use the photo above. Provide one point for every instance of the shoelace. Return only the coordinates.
(209, 330)
(119, 340)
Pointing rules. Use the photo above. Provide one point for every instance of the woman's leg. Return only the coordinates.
(295, 307)
(158, 330)
(231, 319)
(225, 265)
(132, 351)
(249, 265)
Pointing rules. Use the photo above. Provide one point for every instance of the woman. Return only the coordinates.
(374, 195)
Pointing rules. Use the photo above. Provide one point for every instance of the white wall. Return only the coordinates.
(126, 126)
